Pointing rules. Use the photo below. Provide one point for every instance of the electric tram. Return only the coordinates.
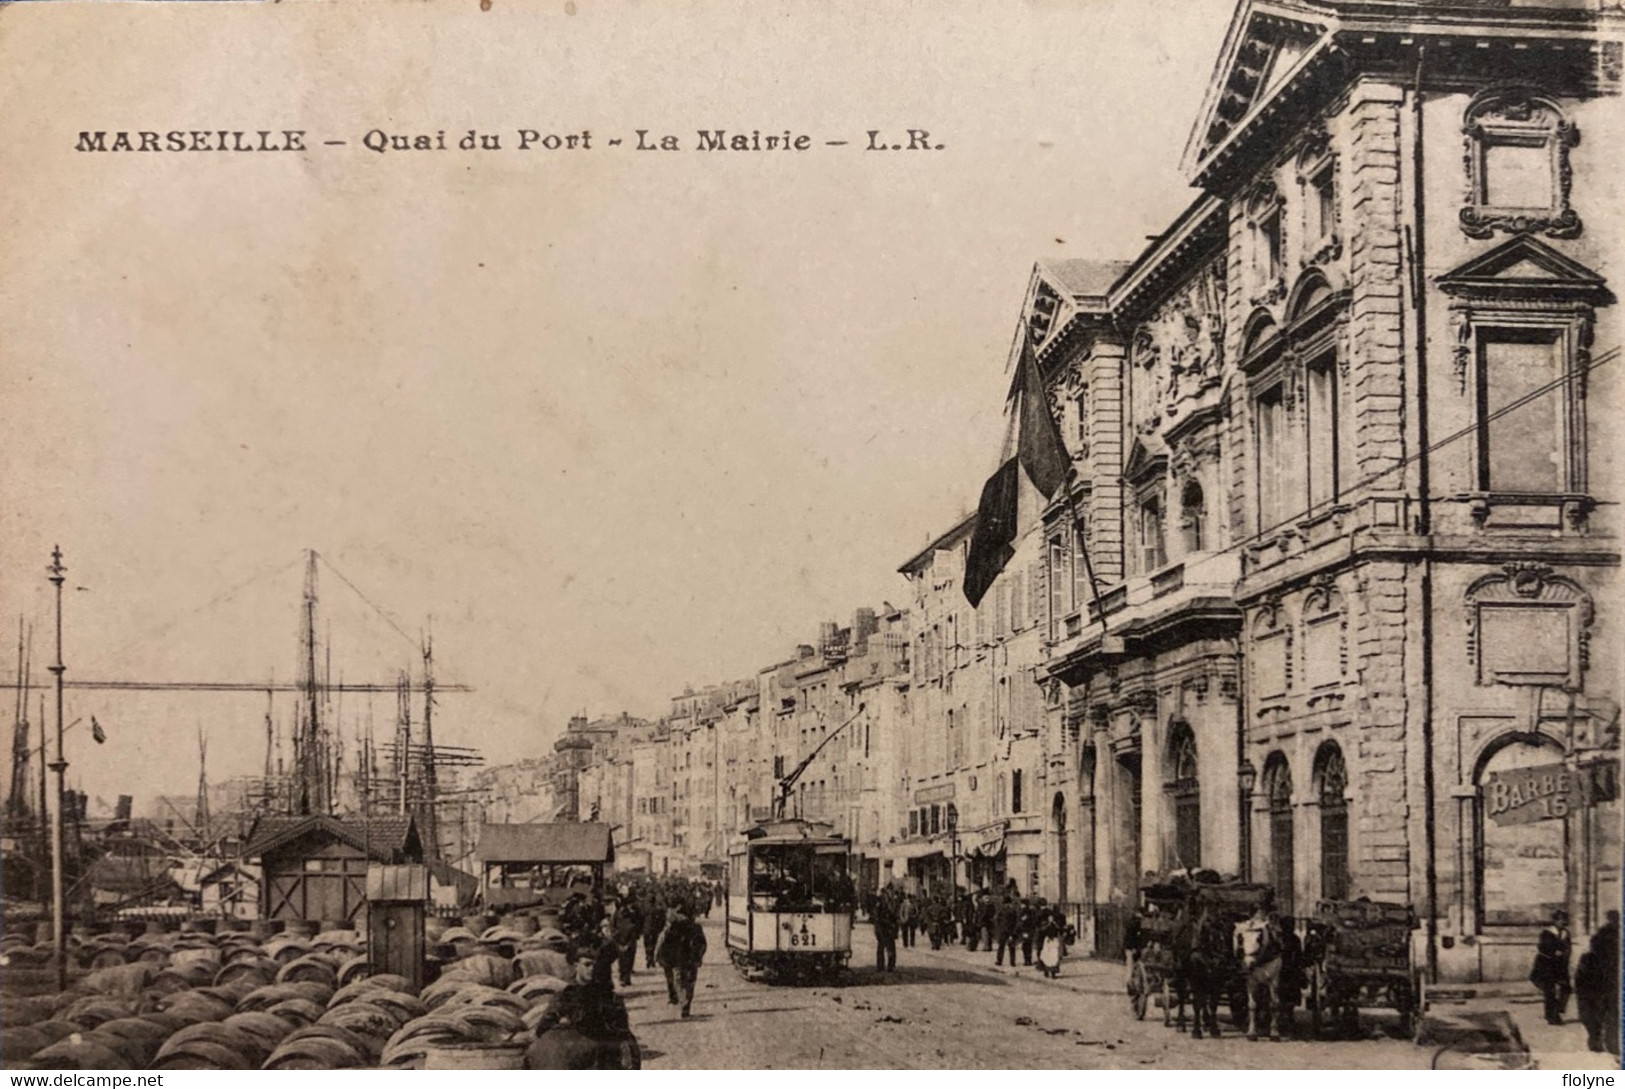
(790, 901)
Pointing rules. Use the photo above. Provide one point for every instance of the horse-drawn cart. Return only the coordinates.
(1360, 955)
(1152, 958)
(1181, 945)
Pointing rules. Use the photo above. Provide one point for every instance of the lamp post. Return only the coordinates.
(953, 847)
(60, 767)
(1246, 779)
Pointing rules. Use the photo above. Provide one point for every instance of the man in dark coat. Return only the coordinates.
(883, 915)
(680, 951)
(628, 927)
(585, 1026)
(1026, 928)
(1550, 971)
(654, 923)
(1597, 987)
(1005, 920)
(987, 914)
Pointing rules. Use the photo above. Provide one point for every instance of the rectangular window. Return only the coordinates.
(1153, 547)
(913, 822)
(1322, 203)
(1271, 423)
(1015, 792)
(1060, 582)
(1270, 245)
(1520, 412)
(1323, 427)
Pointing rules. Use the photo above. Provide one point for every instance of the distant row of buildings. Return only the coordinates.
(1346, 489)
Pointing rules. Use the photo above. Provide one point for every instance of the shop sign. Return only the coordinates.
(942, 792)
(1548, 792)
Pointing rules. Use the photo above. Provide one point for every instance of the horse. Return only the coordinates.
(1260, 946)
(1206, 967)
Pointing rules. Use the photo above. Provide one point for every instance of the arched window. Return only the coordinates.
(1185, 789)
(1193, 517)
(1331, 787)
(1278, 788)
(1522, 856)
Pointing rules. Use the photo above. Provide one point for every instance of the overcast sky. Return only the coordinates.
(609, 421)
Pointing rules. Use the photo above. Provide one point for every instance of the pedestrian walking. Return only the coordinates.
(680, 951)
(987, 913)
(1550, 971)
(908, 920)
(654, 924)
(1026, 930)
(883, 917)
(626, 930)
(1051, 930)
(1006, 918)
(1597, 987)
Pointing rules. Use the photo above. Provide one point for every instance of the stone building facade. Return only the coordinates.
(1366, 519)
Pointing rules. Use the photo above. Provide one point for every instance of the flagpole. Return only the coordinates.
(60, 767)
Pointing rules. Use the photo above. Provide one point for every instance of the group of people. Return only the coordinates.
(1000, 923)
(586, 1027)
(1595, 983)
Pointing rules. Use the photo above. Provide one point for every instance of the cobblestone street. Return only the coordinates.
(953, 1009)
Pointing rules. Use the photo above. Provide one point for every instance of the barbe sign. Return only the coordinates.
(1548, 792)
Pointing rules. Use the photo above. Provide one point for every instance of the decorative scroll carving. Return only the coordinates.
(1532, 586)
(1516, 118)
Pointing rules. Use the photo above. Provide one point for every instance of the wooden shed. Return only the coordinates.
(315, 868)
(540, 863)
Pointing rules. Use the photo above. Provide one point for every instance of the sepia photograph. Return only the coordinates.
(768, 534)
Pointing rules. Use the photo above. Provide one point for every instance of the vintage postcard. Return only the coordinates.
(1065, 534)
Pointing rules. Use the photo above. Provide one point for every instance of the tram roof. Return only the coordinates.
(791, 831)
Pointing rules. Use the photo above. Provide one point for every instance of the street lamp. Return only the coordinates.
(953, 846)
(1246, 779)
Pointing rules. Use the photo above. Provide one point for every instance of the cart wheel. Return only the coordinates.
(1139, 991)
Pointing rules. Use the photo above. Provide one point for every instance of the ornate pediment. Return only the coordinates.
(1144, 462)
(1265, 44)
(1524, 265)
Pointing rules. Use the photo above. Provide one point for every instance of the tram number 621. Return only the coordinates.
(803, 939)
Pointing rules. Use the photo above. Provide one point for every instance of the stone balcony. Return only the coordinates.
(1198, 583)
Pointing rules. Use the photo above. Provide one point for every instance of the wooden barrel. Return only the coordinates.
(157, 926)
(300, 928)
(477, 923)
(475, 1057)
(524, 925)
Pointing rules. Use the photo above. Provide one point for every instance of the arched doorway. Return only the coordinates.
(1331, 789)
(1521, 863)
(1278, 789)
(1185, 790)
(1058, 824)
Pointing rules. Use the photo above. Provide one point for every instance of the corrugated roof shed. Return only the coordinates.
(382, 838)
(566, 842)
